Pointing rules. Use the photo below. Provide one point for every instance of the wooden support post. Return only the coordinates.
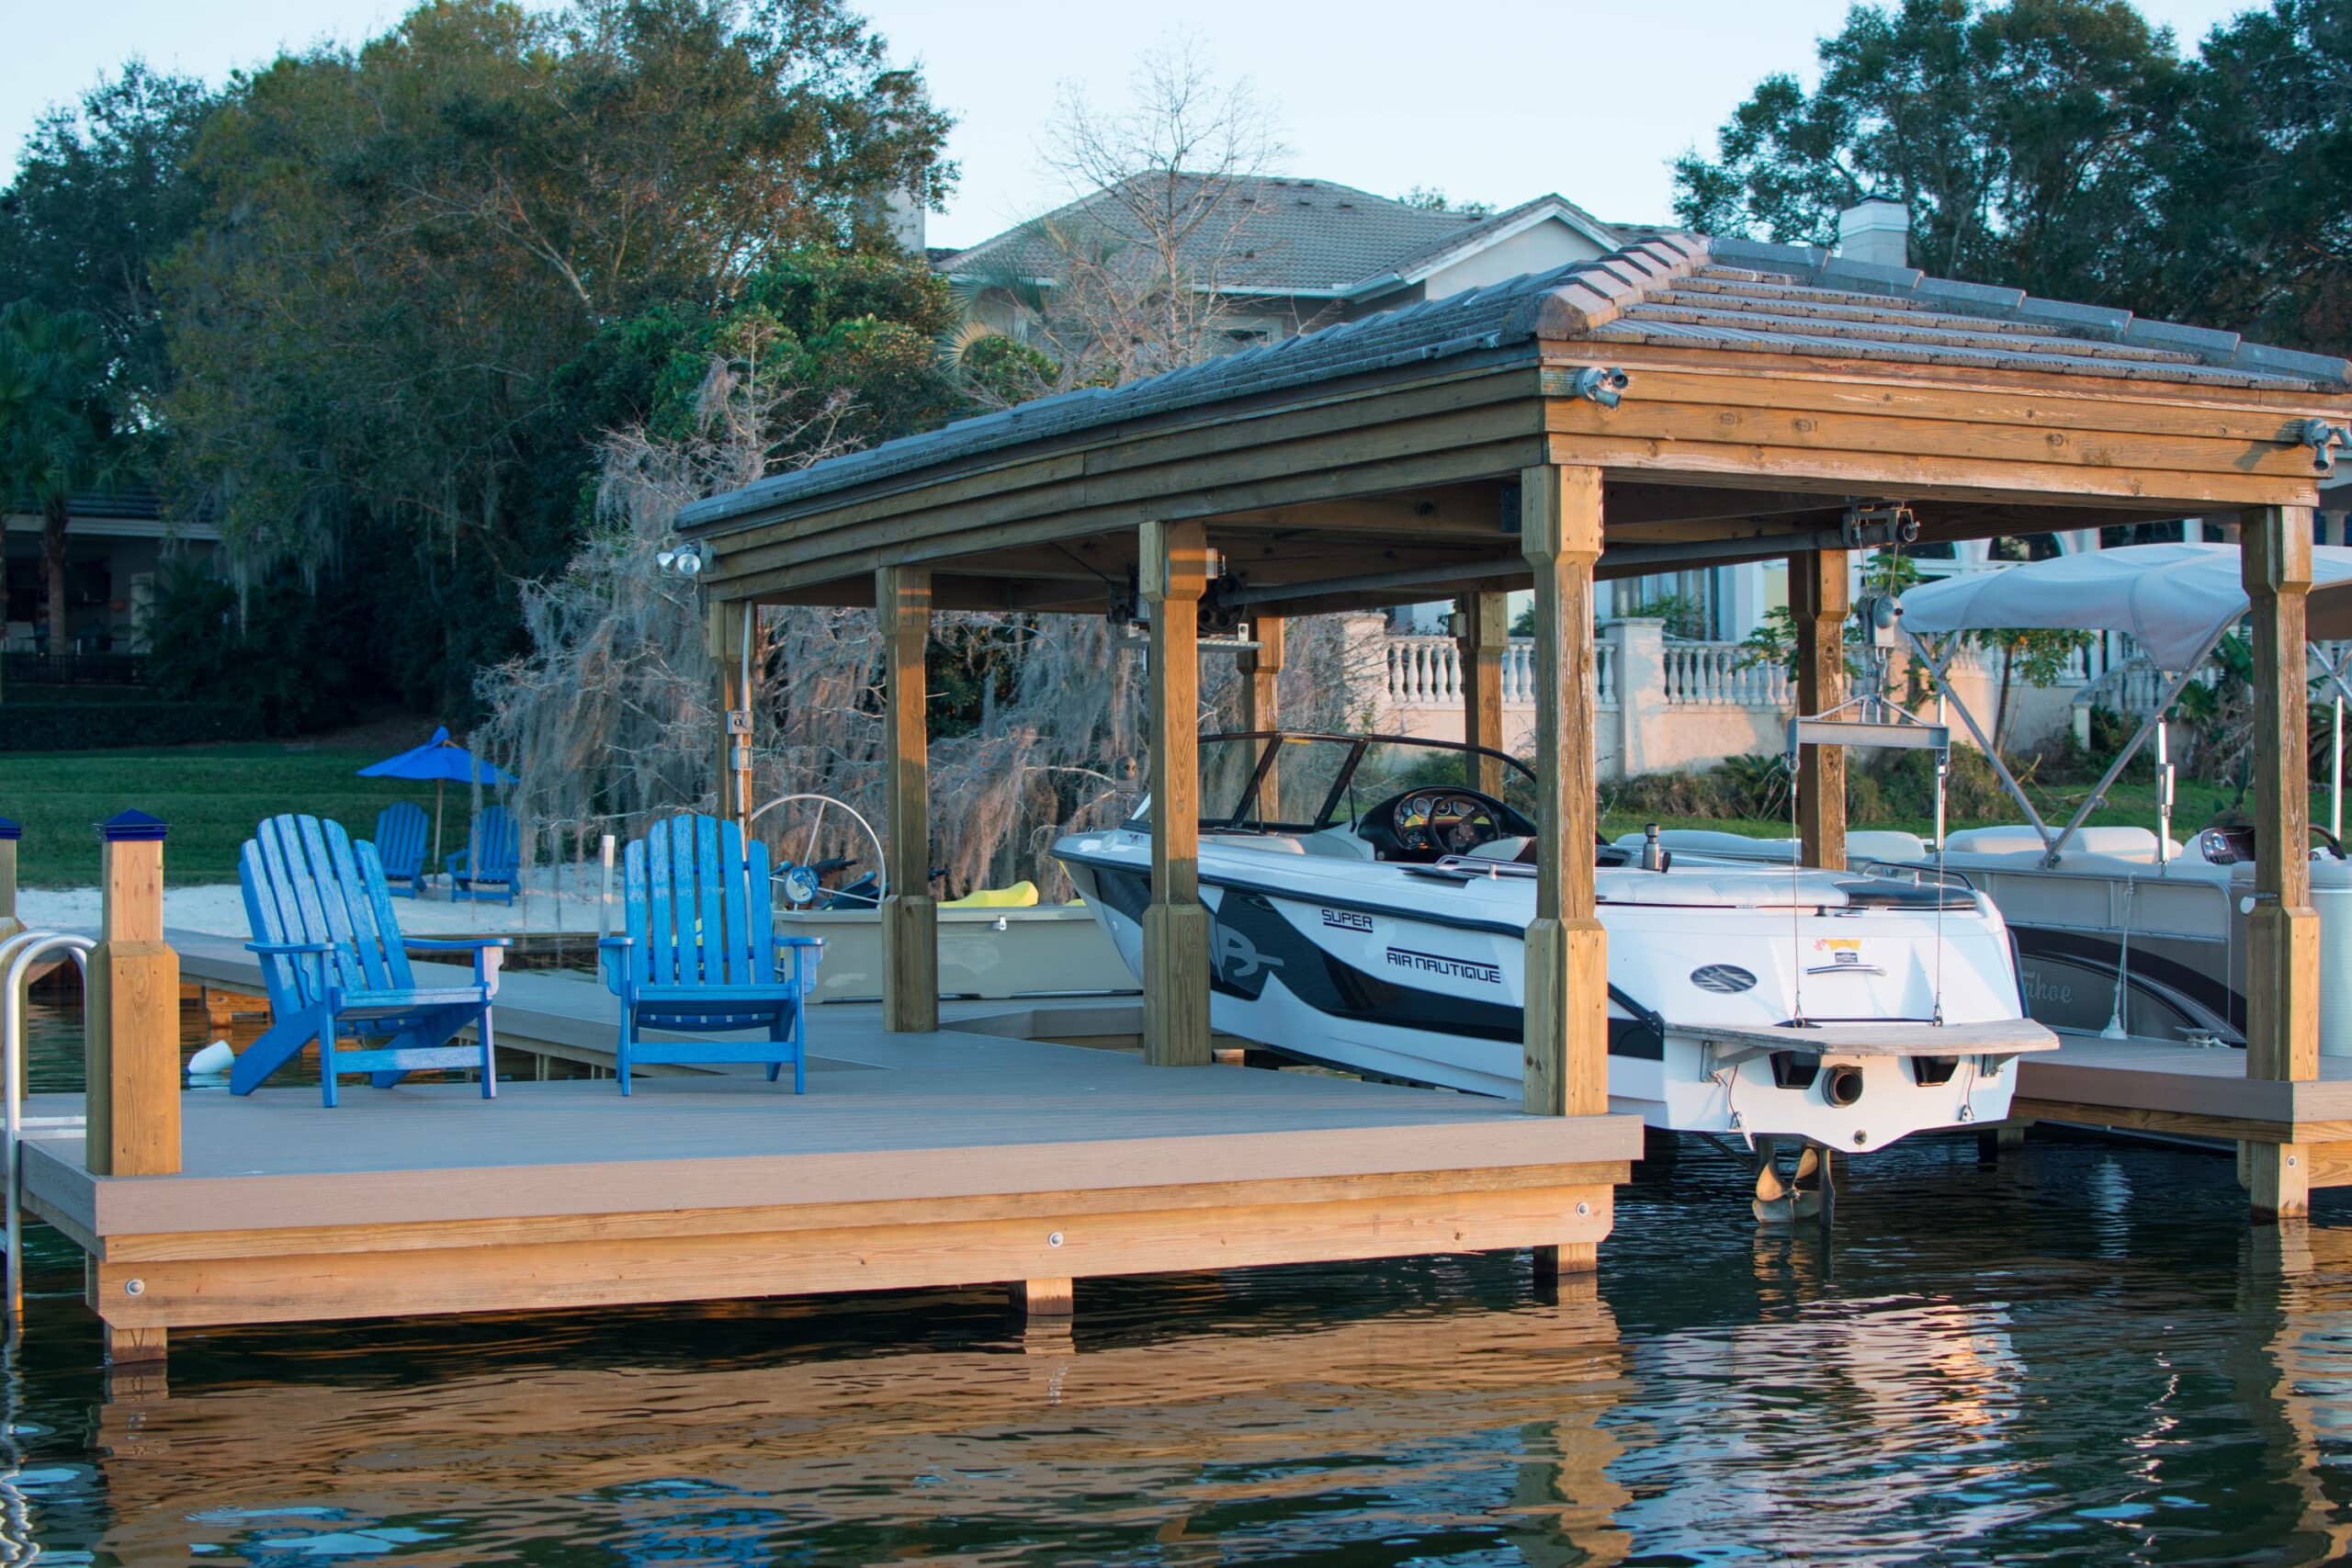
(1568, 1257)
(1485, 633)
(1820, 598)
(727, 629)
(129, 1347)
(910, 913)
(2282, 933)
(1174, 575)
(10, 924)
(131, 1014)
(1566, 1069)
(1054, 1299)
(1261, 701)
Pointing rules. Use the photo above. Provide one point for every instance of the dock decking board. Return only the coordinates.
(957, 1157)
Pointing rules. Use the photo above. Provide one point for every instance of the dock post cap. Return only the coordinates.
(132, 828)
(11, 830)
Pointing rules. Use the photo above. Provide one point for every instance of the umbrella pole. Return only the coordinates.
(440, 788)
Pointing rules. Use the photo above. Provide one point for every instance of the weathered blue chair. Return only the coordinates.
(701, 955)
(336, 968)
(488, 866)
(399, 844)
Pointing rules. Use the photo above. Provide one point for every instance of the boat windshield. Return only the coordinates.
(1283, 783)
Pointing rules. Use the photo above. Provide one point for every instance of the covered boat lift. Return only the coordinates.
(1685, 402)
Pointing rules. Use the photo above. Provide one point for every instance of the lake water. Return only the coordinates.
(2084, 1356)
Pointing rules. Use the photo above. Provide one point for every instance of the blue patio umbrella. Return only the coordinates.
(442, 761)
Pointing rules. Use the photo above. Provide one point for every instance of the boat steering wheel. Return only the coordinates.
(1423, 824)
(2335, 845)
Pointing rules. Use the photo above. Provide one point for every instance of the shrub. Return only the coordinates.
(97, 726)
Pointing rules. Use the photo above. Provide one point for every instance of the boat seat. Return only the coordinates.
(1509, 847)
(1886, 844)
(2012, 839)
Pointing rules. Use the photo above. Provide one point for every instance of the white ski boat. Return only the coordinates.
(1369, 905)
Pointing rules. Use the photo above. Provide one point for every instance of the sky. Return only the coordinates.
(1495, 101)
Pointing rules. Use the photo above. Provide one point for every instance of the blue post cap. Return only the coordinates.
(11, 830)
(132, 828)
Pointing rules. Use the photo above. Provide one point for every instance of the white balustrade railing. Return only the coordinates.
(1426, 671)
(1723, 674)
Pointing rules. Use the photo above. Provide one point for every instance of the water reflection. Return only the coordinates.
(1418, 1429)
(2080, 1356)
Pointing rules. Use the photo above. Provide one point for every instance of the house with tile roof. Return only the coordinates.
(1290, 255)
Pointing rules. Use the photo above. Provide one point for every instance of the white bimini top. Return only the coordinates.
(2174, 599)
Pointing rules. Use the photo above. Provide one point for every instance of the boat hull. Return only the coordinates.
(1433, 996)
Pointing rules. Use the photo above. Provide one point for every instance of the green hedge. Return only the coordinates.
(100, 725)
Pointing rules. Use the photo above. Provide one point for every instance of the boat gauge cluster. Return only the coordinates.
(1421, 825)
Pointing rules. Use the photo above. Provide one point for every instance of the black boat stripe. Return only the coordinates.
(1643, 1035)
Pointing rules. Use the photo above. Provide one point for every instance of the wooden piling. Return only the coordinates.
(1820, 598)
(131, 1037)
(909, 912)
(1052, 1300)
(1566, 1070)
(1261, 701)
(727, 629)
(1485, 632)
(2282, 931)
(1174, 575)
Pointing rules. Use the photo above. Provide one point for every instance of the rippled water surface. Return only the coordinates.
(2082, 1357)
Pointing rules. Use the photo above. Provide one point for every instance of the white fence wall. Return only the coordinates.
(1665, 705)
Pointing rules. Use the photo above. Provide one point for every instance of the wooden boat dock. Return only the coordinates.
(951, 1157)
(2151, 1086)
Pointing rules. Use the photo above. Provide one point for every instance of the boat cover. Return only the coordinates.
(2171, 599)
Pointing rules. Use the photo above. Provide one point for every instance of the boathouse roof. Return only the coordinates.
(1671, 290)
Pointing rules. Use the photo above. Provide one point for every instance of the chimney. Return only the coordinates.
(1878, 230)
(903, 215)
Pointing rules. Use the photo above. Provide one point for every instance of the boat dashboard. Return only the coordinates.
(1391, 798)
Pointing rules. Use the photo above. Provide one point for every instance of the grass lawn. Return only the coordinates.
(211, 796)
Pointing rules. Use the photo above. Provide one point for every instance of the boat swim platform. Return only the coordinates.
(944, 1159)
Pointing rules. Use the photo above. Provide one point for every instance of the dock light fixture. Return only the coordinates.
(2323, 439)
(687, 560)
(1599, 384)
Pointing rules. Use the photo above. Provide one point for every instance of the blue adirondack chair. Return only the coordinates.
(336, 968)
(488, 866)
(399, 844)
(701, 955)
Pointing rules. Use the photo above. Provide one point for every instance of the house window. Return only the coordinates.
(2022, 547)
(2119, 533)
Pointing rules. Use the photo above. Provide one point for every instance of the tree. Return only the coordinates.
(58, 432)
(101, 195)
(2254, 227)
(1140, 263)
(2020, 134)
(408, 245)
